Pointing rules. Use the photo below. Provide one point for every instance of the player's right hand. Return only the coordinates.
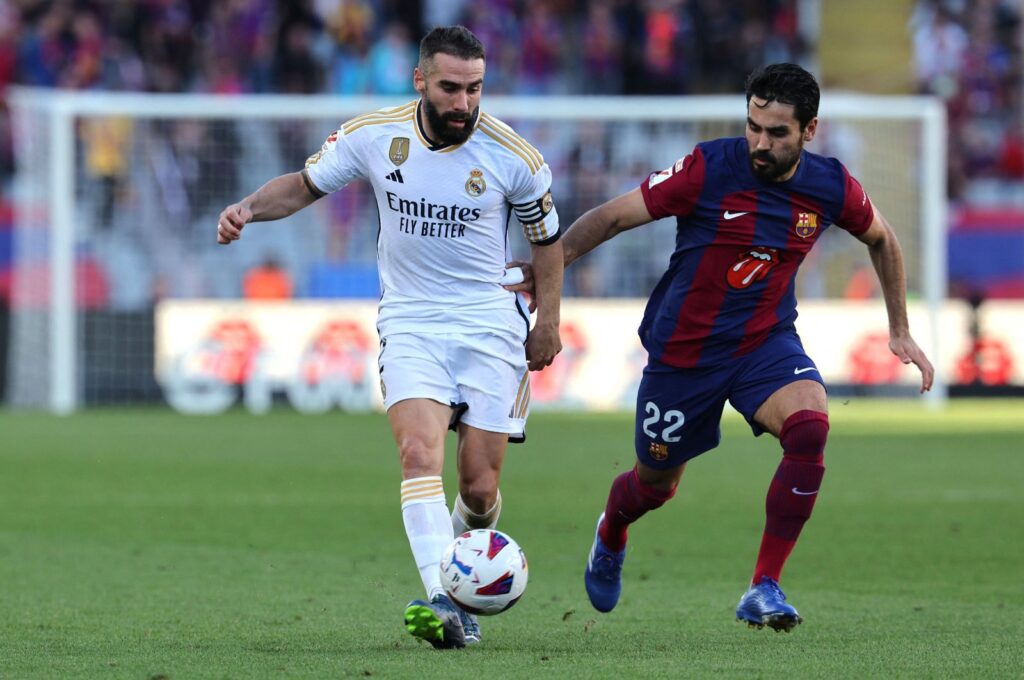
(526, 285)
(542, 345)
(230, 223)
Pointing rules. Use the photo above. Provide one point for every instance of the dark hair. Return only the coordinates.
(786, 84)
(457, 41)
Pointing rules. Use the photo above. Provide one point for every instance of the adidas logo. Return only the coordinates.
(395, 176)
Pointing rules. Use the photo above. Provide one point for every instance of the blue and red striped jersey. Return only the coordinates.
(739, 242)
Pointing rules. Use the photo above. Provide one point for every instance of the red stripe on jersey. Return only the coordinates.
(675, 190)
(703, 301)
(857, 214)
(807, 226)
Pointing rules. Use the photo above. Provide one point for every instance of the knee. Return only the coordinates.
(804, 435)
(655, 490)
(479, 493)
(659, 482)
(418, 456)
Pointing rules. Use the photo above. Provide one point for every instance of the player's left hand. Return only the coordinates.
(542, 345)
(904, 347)
(525, 286)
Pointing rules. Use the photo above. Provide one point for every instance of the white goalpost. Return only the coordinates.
(116, 196)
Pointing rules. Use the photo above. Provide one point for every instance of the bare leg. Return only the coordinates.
(481, 455)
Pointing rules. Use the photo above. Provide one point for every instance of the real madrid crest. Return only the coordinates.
(806, 224)
(399, 151)
(475, 185)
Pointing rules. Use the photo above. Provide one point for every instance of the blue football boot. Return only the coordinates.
(470, 627)
(765, 605)
(439, 622)
(603, 576)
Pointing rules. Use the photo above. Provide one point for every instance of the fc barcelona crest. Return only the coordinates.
(658, 451)
(399, 151)
(806, 224)
(475, 185)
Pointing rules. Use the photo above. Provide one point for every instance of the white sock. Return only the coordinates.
(428, 527)
(464, 519)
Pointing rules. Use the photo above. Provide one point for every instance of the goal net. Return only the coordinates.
(117, 197)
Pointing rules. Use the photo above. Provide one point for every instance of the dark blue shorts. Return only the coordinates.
(679, 410)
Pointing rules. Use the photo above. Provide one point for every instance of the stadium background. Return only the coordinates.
(138, 542)
(147, 190)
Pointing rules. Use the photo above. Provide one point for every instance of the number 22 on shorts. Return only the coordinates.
(672, 421)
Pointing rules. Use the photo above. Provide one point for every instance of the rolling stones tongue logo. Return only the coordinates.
(752, 266)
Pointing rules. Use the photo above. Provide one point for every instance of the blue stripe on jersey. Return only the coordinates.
(666, 299)
(662, 313)
(740, 306)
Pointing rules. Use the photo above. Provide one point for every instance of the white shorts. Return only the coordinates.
(483, 376)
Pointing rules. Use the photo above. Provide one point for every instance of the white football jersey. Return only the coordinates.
(444, 214)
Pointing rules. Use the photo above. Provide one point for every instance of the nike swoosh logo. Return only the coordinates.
(731, 215)
(798, 371)
(798, 492)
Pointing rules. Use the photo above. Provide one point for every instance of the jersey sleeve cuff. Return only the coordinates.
(308, 181)
(645, 191)
(858, 229)
(549, 240)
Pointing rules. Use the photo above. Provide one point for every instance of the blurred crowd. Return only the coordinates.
(370, 46)
(970, 53)
(965, 51)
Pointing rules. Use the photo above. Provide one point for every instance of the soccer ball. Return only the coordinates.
(484, 571)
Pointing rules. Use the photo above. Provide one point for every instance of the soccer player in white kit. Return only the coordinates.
(447, 177)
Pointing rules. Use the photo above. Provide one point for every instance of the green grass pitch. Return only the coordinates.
(143, 544)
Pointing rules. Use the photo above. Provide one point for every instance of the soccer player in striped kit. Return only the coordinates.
(720, 323)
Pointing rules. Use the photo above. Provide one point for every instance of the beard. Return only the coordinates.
(439, 123)
(774, 167)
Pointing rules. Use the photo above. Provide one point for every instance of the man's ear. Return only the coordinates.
(812, 127)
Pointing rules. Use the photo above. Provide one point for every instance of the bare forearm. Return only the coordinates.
(603, 222)
(887, 258)
(592, 229)
(278, 198)
(547, 271)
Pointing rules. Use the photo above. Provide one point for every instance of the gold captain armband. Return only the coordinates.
(533, 216)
